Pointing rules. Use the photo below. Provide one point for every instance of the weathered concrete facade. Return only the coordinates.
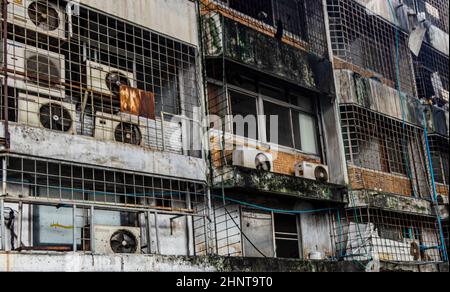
(126, 152)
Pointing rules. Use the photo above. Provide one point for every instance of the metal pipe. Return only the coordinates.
(158, 247)
(5, 69)
(91, 231)
(435, 194)
(4, 176)
(19, 226)
(74, 230)
(163, 138)
(149, 232)
(2, 223)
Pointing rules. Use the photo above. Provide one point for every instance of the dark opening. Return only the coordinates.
(286, 236)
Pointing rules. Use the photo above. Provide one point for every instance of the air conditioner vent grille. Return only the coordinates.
(114, 80)
(123, 241)
(44, 15)
(128, 133)
(43, 70)
(55, 117)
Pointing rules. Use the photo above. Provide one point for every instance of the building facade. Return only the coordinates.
(205, 135)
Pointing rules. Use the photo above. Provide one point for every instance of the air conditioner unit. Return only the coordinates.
(123, 128)
(116, 239)
(312, 171)
(252, 158)
(415, 250)
(46, 113)
(41, 16)
(35, 70)
(104, 79)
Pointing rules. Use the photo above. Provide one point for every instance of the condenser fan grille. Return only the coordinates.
(44, 15)
(321, 174)
(42, 70)
(114, 80)
(262, 162)
(55, 117)
(128, 134)
(123, 241)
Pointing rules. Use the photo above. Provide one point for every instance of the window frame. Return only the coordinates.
(261, 119)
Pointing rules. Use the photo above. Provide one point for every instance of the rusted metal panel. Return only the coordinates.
(137, 102)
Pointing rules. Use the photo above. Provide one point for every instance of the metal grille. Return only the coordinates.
(432, 75)
(67, 182)
(299, 23)
(439, 148)
(117, 81)
(435, 11)
(383, 153)
(369, 42)
(371, 234)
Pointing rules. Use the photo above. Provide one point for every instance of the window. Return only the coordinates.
(290, 117)
(441, 167)
(245, 114)
(295, 129)
(284, 136)
(286, 236)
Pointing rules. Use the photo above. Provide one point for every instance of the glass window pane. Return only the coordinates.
(305, 133)
(244, 111)
(284, 124)
(305, 102)
(273, 92)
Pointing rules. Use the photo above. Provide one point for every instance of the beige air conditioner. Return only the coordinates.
(46, 113)
(35, 70)
(313, 171)
(253, 159)
(115, 239)
(107, 80)
(41, 16)
(122, 128)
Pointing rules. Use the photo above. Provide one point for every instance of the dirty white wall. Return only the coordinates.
(315, 231)
(78, 262)
(80, 149)
(176, 18)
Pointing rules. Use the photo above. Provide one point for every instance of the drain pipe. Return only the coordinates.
(435, 200)
(5, 71)
(72, 9)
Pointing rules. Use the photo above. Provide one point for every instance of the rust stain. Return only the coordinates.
(137, 102)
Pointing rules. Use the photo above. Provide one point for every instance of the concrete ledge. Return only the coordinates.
(267, 182)
(390, 202)
(79, 262)
(414, 268)
(80, 149)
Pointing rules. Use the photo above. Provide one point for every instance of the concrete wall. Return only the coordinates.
(78, 262)
(377, 96)
(80, 149)
(176, 18)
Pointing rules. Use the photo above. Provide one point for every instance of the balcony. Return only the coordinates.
(239, 178)
(266, 48)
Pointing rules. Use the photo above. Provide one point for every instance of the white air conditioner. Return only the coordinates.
(116, 239)
(41, 16)
(312, 171)
(104, 79)
(46, 113)
(35, 70)
(123, 128)
(252, 158)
